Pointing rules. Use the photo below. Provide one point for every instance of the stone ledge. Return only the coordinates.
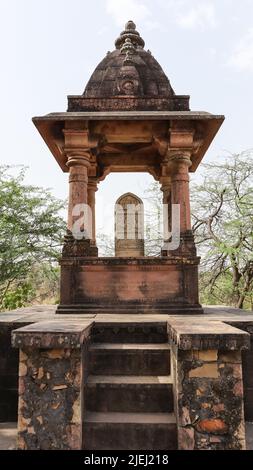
(128, 115)
(52, 334)
(205, 335)
(130, 262)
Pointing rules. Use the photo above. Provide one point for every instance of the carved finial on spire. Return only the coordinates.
(128, 49)
(130, 26)
(130, 33)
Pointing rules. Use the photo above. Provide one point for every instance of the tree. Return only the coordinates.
(222, 216)
(222, 211)
(153, 220)
(31, 234)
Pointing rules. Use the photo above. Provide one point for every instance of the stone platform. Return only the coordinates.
(130, 285)
(125, 363)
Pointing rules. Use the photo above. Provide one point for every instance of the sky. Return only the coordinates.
(50, 48)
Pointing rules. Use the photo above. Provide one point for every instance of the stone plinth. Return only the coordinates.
(51, 381)
(129, 285)
(208, 385)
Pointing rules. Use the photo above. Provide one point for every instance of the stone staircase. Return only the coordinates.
(129, 393)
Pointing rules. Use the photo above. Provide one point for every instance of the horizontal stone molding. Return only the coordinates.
(206, 335)
(129, 103)
(52, 334)
(145, 261)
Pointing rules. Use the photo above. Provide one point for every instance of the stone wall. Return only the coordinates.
(247, 369)
(50, 384)
(8, 373)
(129, 285)
(52, 371)
(208, 385)
(210, 400)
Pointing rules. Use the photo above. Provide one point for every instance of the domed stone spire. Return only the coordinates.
(128, 78)
(130, 33)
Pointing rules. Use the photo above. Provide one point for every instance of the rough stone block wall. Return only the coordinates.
(8, 374)
(50, 384)
(209, 399)
(247, 367)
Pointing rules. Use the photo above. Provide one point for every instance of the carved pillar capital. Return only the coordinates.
(78, 158)
(176, 158)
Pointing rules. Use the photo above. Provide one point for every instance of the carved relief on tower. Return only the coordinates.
(129, 226)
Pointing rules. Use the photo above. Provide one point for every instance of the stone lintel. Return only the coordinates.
(52, 334)
(206, 335)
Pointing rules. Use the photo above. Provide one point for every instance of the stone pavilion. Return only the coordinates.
(129, 359)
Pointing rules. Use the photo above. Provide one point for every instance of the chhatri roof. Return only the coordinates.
(129, 78)
(128, 90)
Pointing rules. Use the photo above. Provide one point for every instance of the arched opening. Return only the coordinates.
(129, 226)
(144, 187)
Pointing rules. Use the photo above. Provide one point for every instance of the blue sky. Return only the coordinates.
(49, 49)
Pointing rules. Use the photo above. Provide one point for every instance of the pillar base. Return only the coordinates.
(186, 248)
(77, 248)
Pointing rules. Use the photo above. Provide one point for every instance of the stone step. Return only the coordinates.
(129, 431)
(129, 359)
(129, 393)
(130, 332)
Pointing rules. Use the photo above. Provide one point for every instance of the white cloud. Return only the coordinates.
(242, 57)
(213, 52)
(124, 10)
(191, 14)
(201, 15)
(188, 14)
(102, 31)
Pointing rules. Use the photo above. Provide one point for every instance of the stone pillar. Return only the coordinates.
(165, 182)
(208, 386)
(180, 164)
(51, 384)
(78, 163)
(92, 188)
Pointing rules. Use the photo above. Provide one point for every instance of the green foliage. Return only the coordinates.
(18, 297)
(153, 220)
(222, 215)
(31, 233)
